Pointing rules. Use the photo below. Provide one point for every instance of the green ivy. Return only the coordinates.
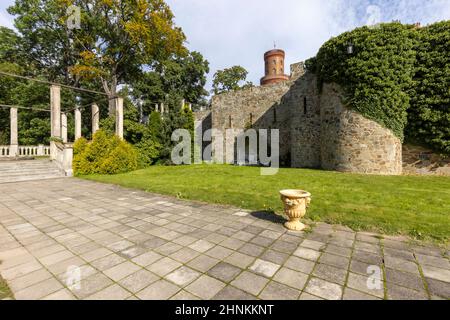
(429, 115)
(376, 76)
(397, 75)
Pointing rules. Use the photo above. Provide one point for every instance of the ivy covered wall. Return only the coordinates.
(397, 75)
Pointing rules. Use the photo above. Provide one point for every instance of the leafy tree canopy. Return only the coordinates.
(115, 40)
(230, 79)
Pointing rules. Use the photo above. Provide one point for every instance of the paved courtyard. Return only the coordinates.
(75, 239)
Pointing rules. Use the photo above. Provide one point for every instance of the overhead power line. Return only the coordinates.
(20, 107)
(51, 83)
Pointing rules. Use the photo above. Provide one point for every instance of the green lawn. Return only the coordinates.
(411, 205)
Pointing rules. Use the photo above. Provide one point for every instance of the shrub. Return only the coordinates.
(106, 154)
(149, 152)
(123, 158)
(79, 164)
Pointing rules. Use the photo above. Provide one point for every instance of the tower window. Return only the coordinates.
(274, 62)
(230, 122)
(251, 119)
(305, 106)
(274, 71)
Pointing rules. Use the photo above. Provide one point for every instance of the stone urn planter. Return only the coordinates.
(295, 204)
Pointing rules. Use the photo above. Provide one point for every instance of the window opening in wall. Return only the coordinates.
(274, 115)
(230, 123)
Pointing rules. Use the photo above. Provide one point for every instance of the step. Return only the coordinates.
(30, 178)
(24, 162)
(30, 172)
(16, 167)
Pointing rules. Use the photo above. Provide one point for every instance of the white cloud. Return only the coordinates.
(238, 32)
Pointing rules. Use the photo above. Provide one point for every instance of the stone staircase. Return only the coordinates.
(27, 170)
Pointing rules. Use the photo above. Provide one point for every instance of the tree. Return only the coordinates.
(230, 79)
(182, 76)
(9, 46)
(117, 38)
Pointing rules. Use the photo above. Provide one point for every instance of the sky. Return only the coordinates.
(238, 32)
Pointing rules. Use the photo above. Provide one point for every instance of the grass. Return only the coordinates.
(5, 292)
(417, 206)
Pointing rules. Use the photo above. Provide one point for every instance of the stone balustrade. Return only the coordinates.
(4, 151)
(62, 155)
(25, 151)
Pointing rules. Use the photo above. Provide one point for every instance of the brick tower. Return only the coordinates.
(274, 60)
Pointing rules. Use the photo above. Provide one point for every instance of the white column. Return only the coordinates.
(95, 118)
(14, 137)
(119, 117)
(162, 107)
(77, 124)
(55, 104)
(64, 127)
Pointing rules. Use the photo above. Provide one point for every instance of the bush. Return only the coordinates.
(149, 152)
(106, 154)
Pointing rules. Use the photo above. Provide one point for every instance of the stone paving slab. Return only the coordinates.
(69, 239)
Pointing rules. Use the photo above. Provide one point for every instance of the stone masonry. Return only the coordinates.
(316, 129)
(129, 244)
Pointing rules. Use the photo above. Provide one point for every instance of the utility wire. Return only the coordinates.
(20, 107)
(51, 83)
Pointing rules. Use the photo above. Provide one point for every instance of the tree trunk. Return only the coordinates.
(111, 91)
(112, 103)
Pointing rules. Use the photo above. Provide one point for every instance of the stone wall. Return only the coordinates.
(202, 123)
(352, 143)
(316, 130)
(305, 123)
(418, 160)
(262, 107)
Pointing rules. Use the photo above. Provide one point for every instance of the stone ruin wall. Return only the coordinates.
(353, 143)
(305, 123)
(263, 107)
(418, 160)
(316, 129)
(258, 107)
